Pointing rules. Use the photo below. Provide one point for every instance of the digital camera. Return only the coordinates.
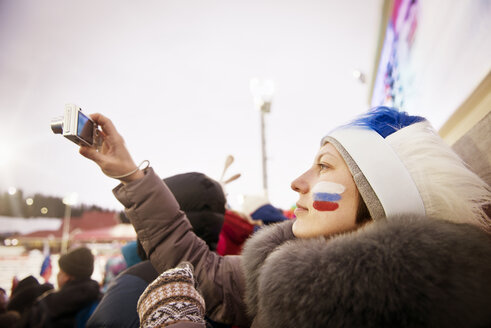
(77, 127)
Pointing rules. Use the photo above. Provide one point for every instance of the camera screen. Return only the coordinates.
(85, 128)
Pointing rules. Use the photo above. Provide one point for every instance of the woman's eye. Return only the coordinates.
(323, 166)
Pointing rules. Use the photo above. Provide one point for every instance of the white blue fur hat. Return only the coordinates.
(400, 165)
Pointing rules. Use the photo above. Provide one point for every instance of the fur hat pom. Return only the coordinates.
(449, 189)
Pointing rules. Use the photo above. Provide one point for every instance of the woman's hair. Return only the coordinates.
(401, 165)
(362, 213)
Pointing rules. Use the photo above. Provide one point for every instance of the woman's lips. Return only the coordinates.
(300, 209)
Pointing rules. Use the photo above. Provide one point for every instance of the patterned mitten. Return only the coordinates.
(171, 298)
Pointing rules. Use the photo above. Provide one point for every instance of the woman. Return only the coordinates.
(384, 183)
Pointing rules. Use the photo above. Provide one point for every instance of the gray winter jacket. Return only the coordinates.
(403, 272)
(408, 271)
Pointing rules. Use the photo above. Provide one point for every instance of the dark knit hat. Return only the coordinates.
(25, 294)
(78, 263)
(195, 191)
(203, 201)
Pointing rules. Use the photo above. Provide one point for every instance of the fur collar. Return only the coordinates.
(405, 272)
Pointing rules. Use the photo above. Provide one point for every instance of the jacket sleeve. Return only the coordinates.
(168, 239)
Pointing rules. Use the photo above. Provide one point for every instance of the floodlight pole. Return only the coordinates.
(265, 108)
(66, 229)
(262, 92)
(69, 201)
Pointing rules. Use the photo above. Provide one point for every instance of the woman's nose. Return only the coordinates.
(301, 184)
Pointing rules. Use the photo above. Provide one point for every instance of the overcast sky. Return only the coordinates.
(174, 78)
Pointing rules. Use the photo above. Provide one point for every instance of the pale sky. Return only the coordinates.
(174, 78)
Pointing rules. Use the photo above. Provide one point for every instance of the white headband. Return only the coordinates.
(382, 168)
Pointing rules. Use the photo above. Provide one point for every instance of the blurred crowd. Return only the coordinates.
(80, 301)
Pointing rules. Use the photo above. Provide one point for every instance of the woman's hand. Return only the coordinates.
(112, 157)
(171, 299)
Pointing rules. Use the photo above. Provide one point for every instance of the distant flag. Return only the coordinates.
(15, 282)
(46, 267)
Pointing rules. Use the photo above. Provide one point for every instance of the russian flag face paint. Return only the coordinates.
(326, 195)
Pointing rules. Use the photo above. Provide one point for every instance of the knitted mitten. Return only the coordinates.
(171, 298)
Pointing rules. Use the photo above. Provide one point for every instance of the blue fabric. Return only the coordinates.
(385, 120)
(268, 214)
(83, 315)
(118, 306)
(130, 254)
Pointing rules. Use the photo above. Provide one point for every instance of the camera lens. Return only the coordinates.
(57, 125)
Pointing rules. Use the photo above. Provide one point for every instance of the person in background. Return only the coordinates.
(3, 300)
(390, 231)
(130, 253)
(114, 266)
(118, 263)
(260, 210)
(203, 201)
(240, 225)
(117, 307)
(25, 293)
(237, 227)
(76, 292)
(8, 318)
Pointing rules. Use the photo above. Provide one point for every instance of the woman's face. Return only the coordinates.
(328, 197)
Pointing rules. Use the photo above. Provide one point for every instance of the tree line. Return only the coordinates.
(16, 205)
